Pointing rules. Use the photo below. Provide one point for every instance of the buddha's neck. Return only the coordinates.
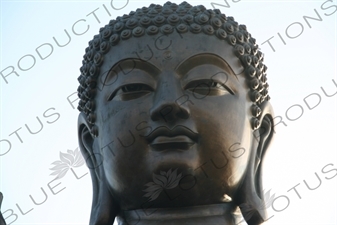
(205, 214)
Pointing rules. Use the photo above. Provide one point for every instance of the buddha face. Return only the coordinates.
(176, 102)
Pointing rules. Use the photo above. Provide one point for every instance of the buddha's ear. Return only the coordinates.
(2, 220)
(250, 197)
(86, 141)
(104, 207)
(264, 136)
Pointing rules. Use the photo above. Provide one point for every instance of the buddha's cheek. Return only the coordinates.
(123, 148)
(225, 140)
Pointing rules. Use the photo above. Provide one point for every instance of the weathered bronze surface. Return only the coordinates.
(175, 118)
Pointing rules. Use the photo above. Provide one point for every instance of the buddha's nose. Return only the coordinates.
(169, 103)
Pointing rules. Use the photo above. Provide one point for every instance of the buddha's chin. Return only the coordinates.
(186, 194)
(180, 185)
(175, 185)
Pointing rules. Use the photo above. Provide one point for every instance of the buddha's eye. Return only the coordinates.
(130, 91)
(135, 88)
(208, 87)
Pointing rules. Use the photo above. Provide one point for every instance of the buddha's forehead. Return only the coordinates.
(167, 52)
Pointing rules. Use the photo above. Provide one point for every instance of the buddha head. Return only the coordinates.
(174, 113)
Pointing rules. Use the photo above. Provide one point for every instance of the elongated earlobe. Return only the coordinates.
(104, 207)
(2, 220)
(250, 197)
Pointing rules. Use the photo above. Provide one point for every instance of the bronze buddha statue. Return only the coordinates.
(174, 118)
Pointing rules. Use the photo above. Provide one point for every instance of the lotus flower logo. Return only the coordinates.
(164, 180)
(67, 161)
(248, 210)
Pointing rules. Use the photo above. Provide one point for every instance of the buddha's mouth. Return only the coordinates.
(181, 142)
(178, 134)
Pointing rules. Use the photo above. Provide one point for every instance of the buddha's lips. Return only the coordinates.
(180, 142)
(179, 134)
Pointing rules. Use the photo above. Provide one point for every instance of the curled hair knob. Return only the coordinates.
(114, 39)
(250, 72)
(232, 39)
(255, 96)
(145, 21)
(126, 34)
(208, 29)
(91, 118)
(151, 30)
(104, 47)
(94, 131)
(256, 111)
(216, 22)
(91, 82)
(202, 18)
(138, 31)
(166, 29)
(195, 28)
(254, 83)
(131, 23)
(90, 94)
(173, 19)
(182, 28)
(255, 123)
(239, 50)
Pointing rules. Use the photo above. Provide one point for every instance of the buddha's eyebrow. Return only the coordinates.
(126, 66)
(202, 59)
